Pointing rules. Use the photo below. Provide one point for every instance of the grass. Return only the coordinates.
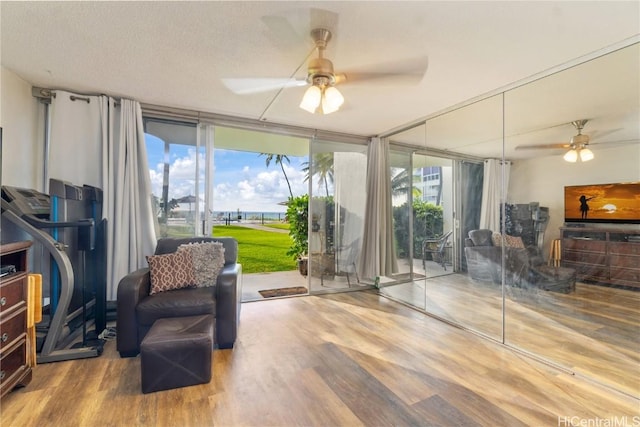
(279, 226)
(259, 251)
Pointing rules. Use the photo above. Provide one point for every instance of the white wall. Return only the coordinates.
(22, 141)
(543, 179)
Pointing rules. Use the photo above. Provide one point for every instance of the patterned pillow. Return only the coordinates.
(208, 260)
(513, 241)
(509, 241)
(171, 271)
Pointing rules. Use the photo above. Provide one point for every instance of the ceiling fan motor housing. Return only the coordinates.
(579, 140)
(320, 69)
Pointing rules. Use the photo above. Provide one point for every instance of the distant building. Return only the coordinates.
(430, 184)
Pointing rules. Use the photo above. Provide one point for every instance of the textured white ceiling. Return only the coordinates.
(176, 53)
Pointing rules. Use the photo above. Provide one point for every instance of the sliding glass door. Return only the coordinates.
(337, 176)
(177, 159)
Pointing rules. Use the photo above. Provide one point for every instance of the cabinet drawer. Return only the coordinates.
(588, 271)
(624, 261)
(585, 245)
(624, 248)
(626, 274)
(12, 291)
(13, 327)
(586, 257)
(12, 364)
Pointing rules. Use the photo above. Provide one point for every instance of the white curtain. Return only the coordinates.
(99, 141)
(75, 139)
(378, 256)
(349, 177)
(494, 192)
(127, 190)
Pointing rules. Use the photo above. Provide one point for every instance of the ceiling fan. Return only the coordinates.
(578, 145)
(322, 94)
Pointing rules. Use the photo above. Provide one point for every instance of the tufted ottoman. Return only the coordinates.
(177, 353)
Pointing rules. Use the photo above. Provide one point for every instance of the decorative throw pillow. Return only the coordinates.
(513, 241)
(208, 260)
(509, 241)
(171, 271)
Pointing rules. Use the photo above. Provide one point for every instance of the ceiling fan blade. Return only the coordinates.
(408, 71)
(598, 134)
(282, 34)
(291, 29)
(249, 85)
(618, 143)
(543, 146)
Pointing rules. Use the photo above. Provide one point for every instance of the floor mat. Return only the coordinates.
(282, 292)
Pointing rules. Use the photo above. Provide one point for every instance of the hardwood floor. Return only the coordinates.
(333, 360)
(593, 331)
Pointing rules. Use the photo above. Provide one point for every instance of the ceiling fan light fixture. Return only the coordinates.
(311, 99)
(332, 100)
(586, 155)
(571, 156)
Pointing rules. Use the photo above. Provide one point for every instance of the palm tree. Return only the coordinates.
(278, 159)
(323, 168)
(400, 184)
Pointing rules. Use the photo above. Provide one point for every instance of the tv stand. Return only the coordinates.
(603, 255)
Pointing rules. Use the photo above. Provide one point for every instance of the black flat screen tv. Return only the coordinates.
(603, 203)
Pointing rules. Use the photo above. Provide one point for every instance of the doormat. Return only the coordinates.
(283, 292)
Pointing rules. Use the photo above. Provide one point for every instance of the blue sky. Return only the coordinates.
(241, 179)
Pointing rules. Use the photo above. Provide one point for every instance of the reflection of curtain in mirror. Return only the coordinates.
(470, 198)
(496, 178)
(378, 256)
(349, 175)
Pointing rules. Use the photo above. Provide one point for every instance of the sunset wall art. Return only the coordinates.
(602, 203)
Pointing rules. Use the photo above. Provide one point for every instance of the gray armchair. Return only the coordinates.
(484, 260)
(137, 310)
(523, 267)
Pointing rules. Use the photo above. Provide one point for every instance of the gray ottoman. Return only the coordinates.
(177, 353)
(557, 279)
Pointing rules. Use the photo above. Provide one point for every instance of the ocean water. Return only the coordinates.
(250, 216)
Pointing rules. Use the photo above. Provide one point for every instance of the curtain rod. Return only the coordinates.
(45, 95)
(158, 111)
(151, 110)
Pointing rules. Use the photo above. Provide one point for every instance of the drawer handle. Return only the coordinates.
(2, 374)
(5, 337)
(3, 301)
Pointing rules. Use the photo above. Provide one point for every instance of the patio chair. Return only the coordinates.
(436, 247)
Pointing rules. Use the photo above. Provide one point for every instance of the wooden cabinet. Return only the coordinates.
(14, 369)
(610, 256)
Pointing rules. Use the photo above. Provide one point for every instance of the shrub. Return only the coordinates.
(298, 216)
(427, 224)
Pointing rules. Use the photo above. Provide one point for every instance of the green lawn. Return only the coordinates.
(259, 251)
(278, 225)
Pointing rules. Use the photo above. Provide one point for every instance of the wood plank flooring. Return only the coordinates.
(594, 331)
(351, 359)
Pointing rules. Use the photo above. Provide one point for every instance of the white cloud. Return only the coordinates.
(182, 175)
(259, 191)
(246, 187)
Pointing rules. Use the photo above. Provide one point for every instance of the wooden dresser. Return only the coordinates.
(14, 368)
(603, 255)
